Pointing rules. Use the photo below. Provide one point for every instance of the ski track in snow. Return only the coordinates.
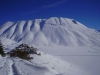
(16, 66)
(5, 69)
(15, 69)
(9, 68)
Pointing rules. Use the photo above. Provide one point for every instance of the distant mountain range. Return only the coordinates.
(51, 31)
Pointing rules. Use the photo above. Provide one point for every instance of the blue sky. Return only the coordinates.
(85, 11)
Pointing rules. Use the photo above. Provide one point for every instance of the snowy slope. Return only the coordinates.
(58, 60)
(40, 65)
(85, 58)
(52, 31)
(44, 64)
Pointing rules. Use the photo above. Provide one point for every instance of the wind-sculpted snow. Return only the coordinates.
(75, 61)
(40, 65)
(52, 31)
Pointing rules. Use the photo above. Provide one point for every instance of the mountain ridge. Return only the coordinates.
(52, 31)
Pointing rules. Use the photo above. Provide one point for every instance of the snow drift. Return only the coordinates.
(52, 31)
(43, 64)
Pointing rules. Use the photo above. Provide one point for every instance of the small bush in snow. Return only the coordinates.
(21, 54)
(1, 49)
(23, 51)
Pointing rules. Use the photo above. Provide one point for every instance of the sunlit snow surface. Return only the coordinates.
(67, 47)
(52, 31)
(54, 60)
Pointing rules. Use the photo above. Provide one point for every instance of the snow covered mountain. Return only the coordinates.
(52, 31)
(67, 56)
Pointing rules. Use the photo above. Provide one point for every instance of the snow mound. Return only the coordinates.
(40, 65)
(52, 31)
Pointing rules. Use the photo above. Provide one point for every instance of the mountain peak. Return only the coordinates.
(51, 31)
(59, 20)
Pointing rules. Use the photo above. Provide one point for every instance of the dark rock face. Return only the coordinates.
(74, 21)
